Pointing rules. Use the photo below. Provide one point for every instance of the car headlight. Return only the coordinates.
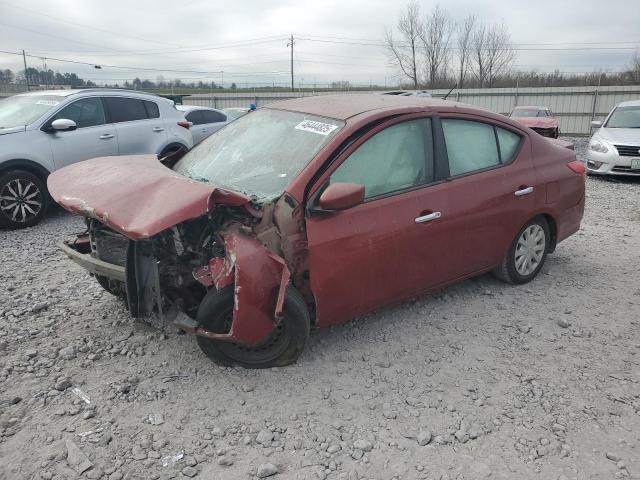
(598, 146)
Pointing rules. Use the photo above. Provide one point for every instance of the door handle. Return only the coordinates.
(428, 217)
(106, 136)
(204, 130)
(158, 129)
(523, 191)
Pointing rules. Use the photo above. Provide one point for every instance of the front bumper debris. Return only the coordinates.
(94, 265)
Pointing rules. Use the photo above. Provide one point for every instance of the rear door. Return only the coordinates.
(491, 190)
(139, 127)
(94, 137)
(391, 246)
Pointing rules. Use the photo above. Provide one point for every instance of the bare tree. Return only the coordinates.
(633, 70)
(436, 39)
(479, 54)
(404, 53)
(465, 30)
(500, 54)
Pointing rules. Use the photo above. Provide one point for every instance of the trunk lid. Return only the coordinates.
(135, 195)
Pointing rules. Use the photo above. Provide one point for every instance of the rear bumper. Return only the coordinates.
(92, 264)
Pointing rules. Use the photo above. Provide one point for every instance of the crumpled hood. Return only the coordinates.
(624, 136)
(537, 122)
(135, 195)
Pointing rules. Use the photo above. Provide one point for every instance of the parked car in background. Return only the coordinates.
(408, 93)
(539, 119)
(204, 120)
(234, 113)
(614, 149)
(43, 131)
(317, 210)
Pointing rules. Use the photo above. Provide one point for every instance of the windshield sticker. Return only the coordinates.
(50, 103)
(316, 127)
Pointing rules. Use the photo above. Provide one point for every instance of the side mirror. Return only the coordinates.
(340, 196)
(63, 125)
(596, 124)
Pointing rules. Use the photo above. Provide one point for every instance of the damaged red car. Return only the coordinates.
(539, 119)
(314, 211)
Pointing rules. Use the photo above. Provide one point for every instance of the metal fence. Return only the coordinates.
(575, 107)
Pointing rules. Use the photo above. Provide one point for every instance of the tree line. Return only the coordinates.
(433, 50)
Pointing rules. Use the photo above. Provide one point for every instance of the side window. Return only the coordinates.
(125, 109)
(396, 158)
(86, 112)
(152, 109)
(508, 142)
(470, 145)
(211, 116)
(195, 117)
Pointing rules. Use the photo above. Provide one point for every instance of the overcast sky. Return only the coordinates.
(247, 39)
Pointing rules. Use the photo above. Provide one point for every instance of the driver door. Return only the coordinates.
(391, 246)
(92, 137)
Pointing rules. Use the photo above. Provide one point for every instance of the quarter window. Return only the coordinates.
(86, 112)
(508, 142)
(152, 109)
(470, 145)
(397, 158)
(125, 109)
(195, 117)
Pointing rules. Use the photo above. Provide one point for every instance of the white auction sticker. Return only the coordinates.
(50, 103)
(316, 127)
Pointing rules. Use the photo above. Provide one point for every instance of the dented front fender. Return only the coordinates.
(260, 280)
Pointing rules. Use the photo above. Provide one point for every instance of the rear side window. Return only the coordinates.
(195, 117)
(508, 142)
(211, 116)
(125, 109)
(470, 145)
(152, 109)
(86, 112)
(397, 158)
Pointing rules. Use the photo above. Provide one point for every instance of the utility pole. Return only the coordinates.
(290, 44)
(26, 77)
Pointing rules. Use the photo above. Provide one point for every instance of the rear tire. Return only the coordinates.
(283, 346)
(23, 199)
(527, 253)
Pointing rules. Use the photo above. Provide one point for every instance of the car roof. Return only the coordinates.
(342, 107)
(630, 103)
(80, 91)
(523, 107)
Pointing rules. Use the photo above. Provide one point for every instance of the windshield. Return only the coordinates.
(22, 110)
(529, 113)
(624, 117)
(260, 153)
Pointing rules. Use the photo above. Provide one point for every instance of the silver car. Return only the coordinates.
(204, 120)
(43, 131)
(614, 149)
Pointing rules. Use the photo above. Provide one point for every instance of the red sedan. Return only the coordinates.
(314, 211)
(539, 119)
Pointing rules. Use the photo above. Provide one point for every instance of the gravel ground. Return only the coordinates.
(482, 380)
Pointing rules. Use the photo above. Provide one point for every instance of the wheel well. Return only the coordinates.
(553, 231)
(173, 145)
(27, 165)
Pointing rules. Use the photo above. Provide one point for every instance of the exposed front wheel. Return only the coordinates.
(282, 347)
(526, 254)
(23, 199)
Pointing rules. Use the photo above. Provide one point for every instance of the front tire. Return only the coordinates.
(23, 199)
(283, 346)
(527, 253)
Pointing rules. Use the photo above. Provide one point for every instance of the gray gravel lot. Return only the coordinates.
(482, 380)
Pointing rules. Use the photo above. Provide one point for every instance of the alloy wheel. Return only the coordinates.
(20, 200)
(530, 249)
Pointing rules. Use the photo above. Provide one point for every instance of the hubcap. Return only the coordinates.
(20, 200)
(530, 250)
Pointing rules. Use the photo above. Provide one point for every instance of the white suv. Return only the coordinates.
(46, 130)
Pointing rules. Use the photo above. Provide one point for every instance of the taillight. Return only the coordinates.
(578, 167)
(185, 124)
